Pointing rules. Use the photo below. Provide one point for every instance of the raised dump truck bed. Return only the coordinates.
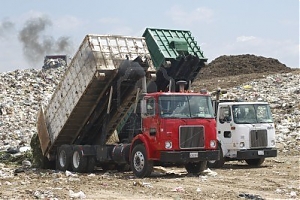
(94, 72)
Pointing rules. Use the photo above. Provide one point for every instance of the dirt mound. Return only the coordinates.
(229, 71)
(241, 64)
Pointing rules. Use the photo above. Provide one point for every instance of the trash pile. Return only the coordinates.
(22, 93)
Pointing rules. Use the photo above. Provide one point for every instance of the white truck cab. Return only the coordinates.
(245, 131)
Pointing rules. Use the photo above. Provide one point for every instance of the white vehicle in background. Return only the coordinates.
(245, 131)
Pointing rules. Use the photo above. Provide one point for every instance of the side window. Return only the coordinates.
(225, 114)
(150, 106)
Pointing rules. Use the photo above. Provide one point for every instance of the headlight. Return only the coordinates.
(242, 144)
(168, 144)
(213, 144)
(273, 142)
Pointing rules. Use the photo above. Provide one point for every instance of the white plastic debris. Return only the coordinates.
(26, 164)
(293, 194)
(68, 173)
(178, 189)
(278, 191)
(209, 172)
(24, 149)
(77, 195)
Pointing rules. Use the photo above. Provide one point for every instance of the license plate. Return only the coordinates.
(193, 154)
(261, 153)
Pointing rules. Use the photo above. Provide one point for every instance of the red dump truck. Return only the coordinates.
(135, 90)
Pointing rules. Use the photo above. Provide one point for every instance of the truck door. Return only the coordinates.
(150, 121)
(224, 121)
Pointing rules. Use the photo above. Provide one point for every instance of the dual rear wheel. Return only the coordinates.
(72, 158)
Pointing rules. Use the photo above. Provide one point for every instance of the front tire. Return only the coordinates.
(140, 163)
(79, 162)
(255, 162)
(217, 163)
(196, 168)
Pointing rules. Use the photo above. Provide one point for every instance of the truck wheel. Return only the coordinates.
(63, 159)
(79, 162)
(255, 162)
(217, 163)
(140, 164)
(195, 168)
(91, 163)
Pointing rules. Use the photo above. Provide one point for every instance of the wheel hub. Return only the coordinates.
(139, 161)
(76, 159)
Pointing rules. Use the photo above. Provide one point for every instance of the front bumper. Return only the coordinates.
(188, 156)
(257, 153)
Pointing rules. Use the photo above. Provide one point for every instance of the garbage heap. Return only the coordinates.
(22, 93)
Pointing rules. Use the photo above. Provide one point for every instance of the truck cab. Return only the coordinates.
(177, 129)
(245, 131)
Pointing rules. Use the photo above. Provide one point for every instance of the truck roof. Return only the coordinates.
(242, 103)
(178, 93)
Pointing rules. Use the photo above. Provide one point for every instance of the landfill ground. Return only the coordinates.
(277, 178)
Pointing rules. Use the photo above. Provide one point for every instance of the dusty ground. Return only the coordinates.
(277, 178)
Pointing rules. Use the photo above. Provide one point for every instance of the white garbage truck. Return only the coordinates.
(245, 132)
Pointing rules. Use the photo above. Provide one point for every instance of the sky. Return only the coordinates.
(32, 29)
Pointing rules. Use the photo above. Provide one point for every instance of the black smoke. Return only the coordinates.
(36, 44)
(6, 27)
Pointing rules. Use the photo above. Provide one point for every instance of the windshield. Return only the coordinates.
(251, 113)
(180, 106)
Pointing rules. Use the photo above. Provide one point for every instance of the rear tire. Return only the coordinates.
(91, 163)
(63, 159)
(217, 163)
(140, 164)
(195, 168)
(79, 162)
(255, 162)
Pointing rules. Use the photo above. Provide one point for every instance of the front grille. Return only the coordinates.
(258, 138)
(191, 136)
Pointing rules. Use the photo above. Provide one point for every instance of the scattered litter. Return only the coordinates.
(78, 195)
(209, 172)
(142, 184)
(278, 191)
(26, 164)
(250, 196)
(68, 173)
(178, 189)
(293, 194)
(24, 149)
(91, 175)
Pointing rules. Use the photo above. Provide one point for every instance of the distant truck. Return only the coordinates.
(55, 61)
(112, 86)
(245, 131)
